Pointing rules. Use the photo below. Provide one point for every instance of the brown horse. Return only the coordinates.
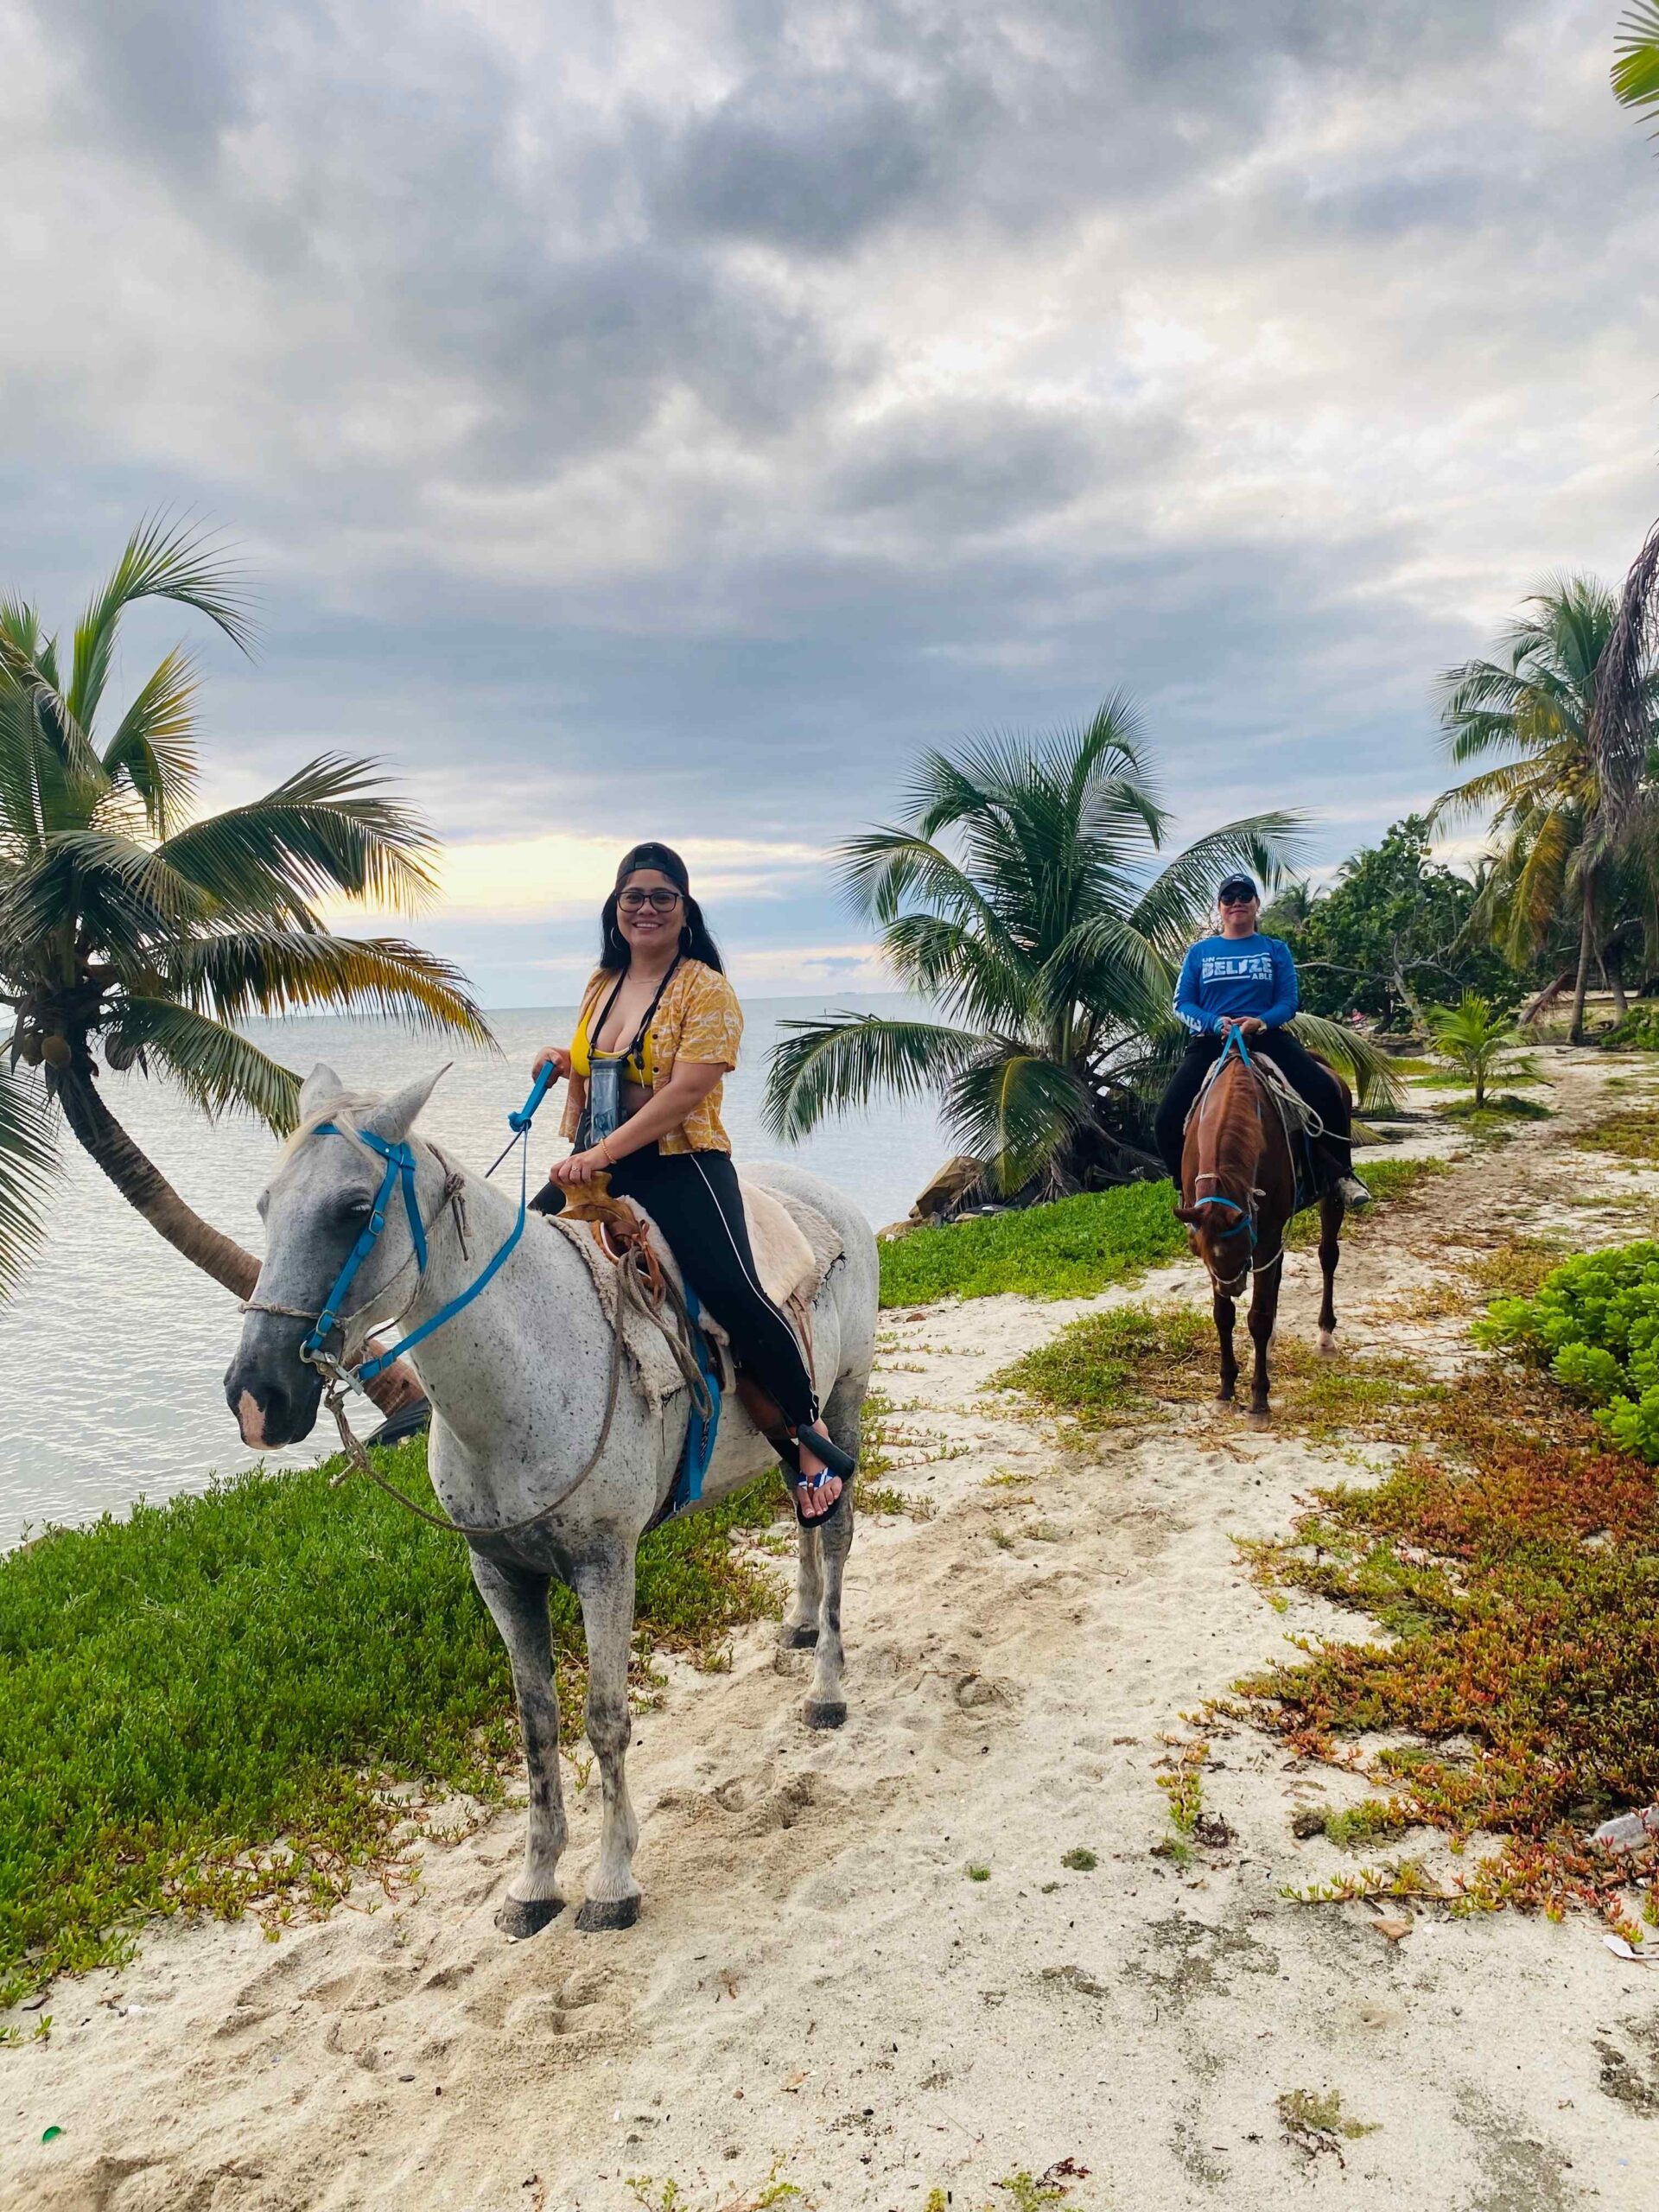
(1238, 1193)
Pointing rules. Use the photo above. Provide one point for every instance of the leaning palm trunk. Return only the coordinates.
(1586, 950)
(144, 1186)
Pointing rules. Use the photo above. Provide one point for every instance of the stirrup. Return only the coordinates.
(1354, 1193)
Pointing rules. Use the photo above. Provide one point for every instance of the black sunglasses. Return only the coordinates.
(660, 902)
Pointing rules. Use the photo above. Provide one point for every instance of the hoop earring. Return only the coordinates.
(685, 937)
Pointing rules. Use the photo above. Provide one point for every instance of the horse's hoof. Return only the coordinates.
(1224, 1397)
(1260, 1417)
(1327, 1343)
(803, 1638)
(521, 1916)
(599, 1914)
(825, 1712)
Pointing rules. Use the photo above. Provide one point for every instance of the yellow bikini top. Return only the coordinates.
(638, 1067)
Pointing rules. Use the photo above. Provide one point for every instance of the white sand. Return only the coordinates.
(816, 1987)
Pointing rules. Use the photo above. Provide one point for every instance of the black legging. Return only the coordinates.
(693, 1198)
(1307, 1080)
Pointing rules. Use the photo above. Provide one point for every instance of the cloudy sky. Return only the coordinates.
(663, 419)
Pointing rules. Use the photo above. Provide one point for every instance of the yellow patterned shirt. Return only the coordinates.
(697, 1019)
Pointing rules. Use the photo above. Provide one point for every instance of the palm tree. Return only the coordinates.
(128, 926)
(1479, 1044)
(1045, 937)
(1572, 800)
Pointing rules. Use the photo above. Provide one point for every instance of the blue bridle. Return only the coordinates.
(400, 1173)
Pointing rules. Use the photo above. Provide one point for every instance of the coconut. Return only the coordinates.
(29, 1051)
(55, 1052)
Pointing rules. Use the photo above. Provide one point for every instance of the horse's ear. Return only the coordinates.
(394, 1117)
(320, 1090)
(1190, 1215)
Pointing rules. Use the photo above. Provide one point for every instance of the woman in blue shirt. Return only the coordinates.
(1241, 980)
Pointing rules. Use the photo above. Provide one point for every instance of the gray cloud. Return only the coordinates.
(736, 396)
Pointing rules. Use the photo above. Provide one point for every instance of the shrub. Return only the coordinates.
(1638, 1032)
(1595, 1324)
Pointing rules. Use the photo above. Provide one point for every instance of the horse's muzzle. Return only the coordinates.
(271, 1410)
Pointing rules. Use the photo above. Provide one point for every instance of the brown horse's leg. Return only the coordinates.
(1264, 1312)
(1332, 1208)
(1226, 1313)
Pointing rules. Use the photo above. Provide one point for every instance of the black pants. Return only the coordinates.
(1307, 1080)
(693, 1198)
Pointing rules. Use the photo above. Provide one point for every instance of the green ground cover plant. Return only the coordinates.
(1638, 1032)
(199, 1706)
(1503, 1105)
(1595, 1323)
(1078, 1246)
(1510, 1553)
(1632, 1133)
(1069, 1249)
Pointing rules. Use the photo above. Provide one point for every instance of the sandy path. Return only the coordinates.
(818, 1985)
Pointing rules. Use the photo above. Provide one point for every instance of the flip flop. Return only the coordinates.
(842, 1464)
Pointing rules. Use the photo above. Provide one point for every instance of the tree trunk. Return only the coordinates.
(144, 1186)
(1612, 967)
(1586, 946)
(1536, 1007)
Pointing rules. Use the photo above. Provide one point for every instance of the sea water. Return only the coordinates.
(112, 1349)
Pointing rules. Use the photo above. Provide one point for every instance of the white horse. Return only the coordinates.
(518, 1383)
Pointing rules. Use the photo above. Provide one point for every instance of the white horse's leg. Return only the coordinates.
(800, 1629)
(605, 1586)
(518, 1603)
(825, 1705)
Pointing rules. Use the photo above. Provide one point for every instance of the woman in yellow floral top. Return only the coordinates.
(658, 1031)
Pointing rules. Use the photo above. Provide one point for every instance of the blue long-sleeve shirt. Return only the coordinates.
(1237, 975)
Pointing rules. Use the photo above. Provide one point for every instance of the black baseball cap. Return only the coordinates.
(1238, 887)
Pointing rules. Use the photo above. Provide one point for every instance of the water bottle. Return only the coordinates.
(1630, 1831)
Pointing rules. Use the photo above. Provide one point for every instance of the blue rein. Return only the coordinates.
(400, 1171)
(1235, 1042)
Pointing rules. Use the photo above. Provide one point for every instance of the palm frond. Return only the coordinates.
(847, 1059)
(283, 971)
(1636, 62)
(218, 1070)
(28, 1166)
(28, 667)
(321, 832)
(106, 886)
(164, 558)
(155, 748)
(1368, 1066)
(1176, 903)
(1015, 1112)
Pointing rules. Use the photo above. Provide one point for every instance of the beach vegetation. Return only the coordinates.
(1026, 896)
(138, 933)
(1509, 1554)
(206, 1706)
(1479, 1043)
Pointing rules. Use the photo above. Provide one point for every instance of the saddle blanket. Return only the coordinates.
(794, 1248)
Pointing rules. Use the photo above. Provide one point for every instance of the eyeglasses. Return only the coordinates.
(1241, 899)
(660, 902)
